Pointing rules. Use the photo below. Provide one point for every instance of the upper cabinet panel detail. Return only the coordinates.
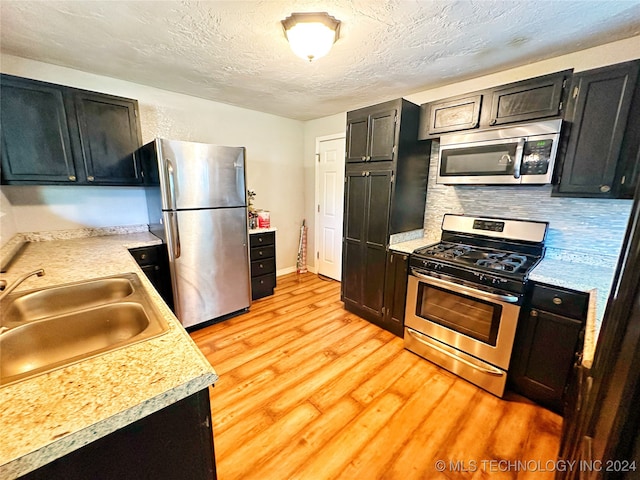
(52, 134)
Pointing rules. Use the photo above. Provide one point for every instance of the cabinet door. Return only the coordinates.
(382, 134)
(376, 238)
(453, 115)
(357, 138)
(527, 100)
(598, 110)
(109, 136)
(354, 235)
(395, 292)
(545, 351)
(36, 143)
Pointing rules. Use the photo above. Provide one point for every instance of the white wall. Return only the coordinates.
(603, 55)
(274, 167)
(7, 220)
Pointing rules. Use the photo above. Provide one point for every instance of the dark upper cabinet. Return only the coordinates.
(36, 143)
(52, 134)
(548, 344)
(451, 115)
(524, 101)
(528, 100)
(381, 198)
(108, 132)
(371, 134)
(602, 142)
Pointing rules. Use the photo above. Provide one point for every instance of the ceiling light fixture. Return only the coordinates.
(311, 35)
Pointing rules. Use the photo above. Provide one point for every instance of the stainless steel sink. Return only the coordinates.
(53, 327)
(65, 298)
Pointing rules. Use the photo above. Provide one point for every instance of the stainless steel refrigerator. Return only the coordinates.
(197, 203)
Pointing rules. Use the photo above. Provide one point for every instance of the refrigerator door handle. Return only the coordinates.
(172, 184)
(175, 234)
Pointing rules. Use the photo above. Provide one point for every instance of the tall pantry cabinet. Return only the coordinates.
(385, 194)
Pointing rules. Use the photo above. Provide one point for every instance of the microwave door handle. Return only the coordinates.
(519, 155)
(464, 289)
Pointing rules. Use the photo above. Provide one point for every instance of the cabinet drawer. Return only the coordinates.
(262, 286)
(262, 267)
(258, 253)
(568, 303)
(258, 239)
(145, 255)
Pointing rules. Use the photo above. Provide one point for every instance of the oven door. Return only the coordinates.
(475, 322)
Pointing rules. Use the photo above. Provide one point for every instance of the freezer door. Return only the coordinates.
(199, 175)
(208, 255)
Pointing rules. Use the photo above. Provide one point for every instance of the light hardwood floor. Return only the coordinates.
(310, 391)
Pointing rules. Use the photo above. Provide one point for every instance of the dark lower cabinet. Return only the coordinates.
(263, 264)
(154, 262)
(57, 135)
(395, 293)
(602, 139)
(175, 443)
(548, 344)
(364, 253)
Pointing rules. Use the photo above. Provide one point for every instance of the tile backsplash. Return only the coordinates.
(577, 226)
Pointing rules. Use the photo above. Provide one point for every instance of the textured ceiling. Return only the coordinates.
(235, 51)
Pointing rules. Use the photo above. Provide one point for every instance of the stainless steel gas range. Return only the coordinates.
(464, 295)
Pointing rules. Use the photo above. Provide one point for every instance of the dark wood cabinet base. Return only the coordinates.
(175, 443)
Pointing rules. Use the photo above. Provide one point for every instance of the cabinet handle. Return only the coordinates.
(90, 178)
(533, 313)
(557, 300)
(493, 122)
(605, 188)
(72, 178)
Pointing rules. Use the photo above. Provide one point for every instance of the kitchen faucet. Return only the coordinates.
(11, 287)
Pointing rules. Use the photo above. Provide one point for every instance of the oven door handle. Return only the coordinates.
(488, 369)
(438, 282)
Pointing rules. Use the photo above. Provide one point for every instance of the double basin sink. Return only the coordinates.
(42, 330)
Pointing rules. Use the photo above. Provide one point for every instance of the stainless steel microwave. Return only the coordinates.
(521, 154)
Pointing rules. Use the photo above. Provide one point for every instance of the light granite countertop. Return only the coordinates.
(584, 274)
(52, 414)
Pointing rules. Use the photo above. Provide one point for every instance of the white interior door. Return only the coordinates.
(329, 208)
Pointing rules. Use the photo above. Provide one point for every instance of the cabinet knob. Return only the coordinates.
(533, 313)
(364, 174)
(72, 178)
(557, 301)
(260, 253)
(90, 178)
(364, 159)
(260, 240)
(493, 122)
(261, 266)
(143, 256)
(605, 188)
(368, 158)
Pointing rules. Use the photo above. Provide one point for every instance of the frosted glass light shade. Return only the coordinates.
(311, 35)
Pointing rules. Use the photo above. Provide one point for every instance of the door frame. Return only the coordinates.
(316, 223)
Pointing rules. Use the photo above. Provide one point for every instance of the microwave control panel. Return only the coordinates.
(536, 157)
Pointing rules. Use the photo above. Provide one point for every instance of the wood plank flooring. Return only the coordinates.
(310, 391)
